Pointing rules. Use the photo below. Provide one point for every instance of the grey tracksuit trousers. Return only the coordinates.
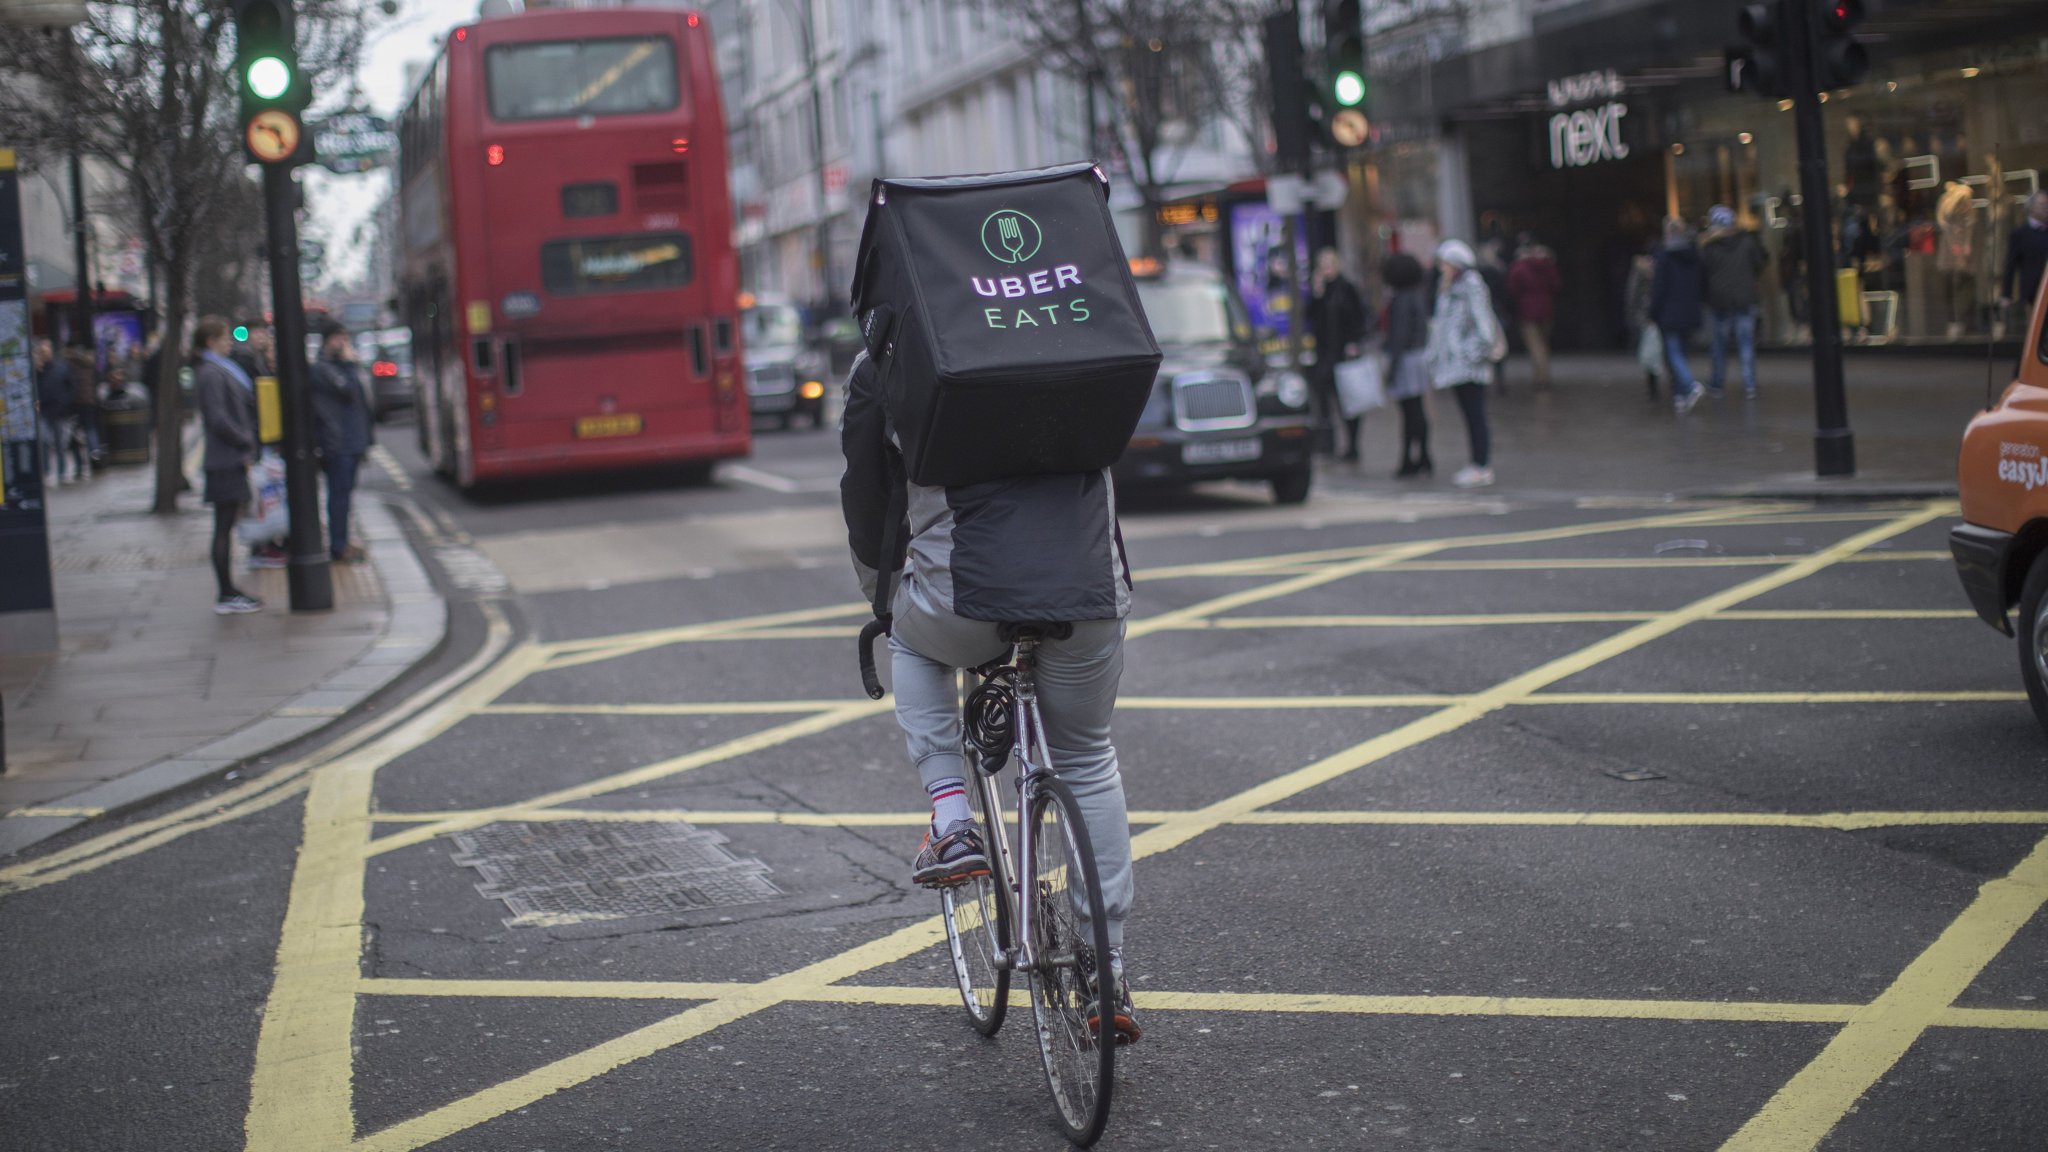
(1077, 686)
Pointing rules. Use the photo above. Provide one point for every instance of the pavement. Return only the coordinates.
(1537, 818)
(151, 692)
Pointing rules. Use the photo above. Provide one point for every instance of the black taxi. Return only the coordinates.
(1218, 411)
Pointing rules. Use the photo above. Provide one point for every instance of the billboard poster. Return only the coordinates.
(1258, 251)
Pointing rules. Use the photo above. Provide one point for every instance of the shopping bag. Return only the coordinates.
(1361, 384)
(1650, 350)
(266, 518)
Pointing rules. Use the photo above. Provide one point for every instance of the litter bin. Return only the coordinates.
(127, 431)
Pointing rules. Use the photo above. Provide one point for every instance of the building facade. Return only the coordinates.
(1586, 122)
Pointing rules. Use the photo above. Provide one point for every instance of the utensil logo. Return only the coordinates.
(1010, 236)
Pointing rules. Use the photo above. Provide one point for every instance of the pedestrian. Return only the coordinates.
(341, 411)
(1732, 259)
(1407, 352)
(1642, 270)
(85, 414)
(1534, 282)
(1461, 351)
(256, 354)
(1677, 292)
(1338, 320)
(54, 398)
(227, 412)
(2026, 256)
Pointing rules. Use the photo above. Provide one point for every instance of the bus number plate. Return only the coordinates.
(620, 424)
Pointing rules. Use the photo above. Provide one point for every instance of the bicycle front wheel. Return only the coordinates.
(1070, 943)
(978, 923)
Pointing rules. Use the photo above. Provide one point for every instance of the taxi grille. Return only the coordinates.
(771, 379)
(1209, 400)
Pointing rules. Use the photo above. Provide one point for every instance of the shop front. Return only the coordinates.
(1932, 159)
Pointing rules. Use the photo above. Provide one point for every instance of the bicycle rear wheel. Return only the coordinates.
(1071, 948)
(978, 923)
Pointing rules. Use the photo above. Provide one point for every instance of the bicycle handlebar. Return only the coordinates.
(876, 628)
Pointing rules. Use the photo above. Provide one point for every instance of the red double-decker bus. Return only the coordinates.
(566, 237)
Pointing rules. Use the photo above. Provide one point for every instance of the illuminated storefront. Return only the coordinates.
(1586, 138)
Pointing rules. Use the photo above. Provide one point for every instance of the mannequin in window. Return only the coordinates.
(1860, 166)
(1955, 222)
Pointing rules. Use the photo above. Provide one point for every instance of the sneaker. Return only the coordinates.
(268, 556)
(1689, 401)
(1472, 476)
(353, 554)
(236, 605)
(952, 857)
(1122, 1016)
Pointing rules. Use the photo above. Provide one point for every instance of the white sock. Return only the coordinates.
(949, 802)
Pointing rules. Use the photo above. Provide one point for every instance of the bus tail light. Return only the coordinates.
(680, 145)
(494, 155)
(384, 370)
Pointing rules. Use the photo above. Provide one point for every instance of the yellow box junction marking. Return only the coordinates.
(301, 1095)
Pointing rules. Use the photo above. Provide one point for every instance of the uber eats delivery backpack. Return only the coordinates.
(999, 311)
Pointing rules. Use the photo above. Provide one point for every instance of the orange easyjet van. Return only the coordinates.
(2001, 548)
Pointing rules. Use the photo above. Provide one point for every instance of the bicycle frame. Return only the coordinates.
(1033, 766)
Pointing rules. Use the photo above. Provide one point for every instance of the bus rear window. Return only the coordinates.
(593, 264)
(561, 78)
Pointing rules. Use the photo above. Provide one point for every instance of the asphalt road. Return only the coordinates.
(1476, 824)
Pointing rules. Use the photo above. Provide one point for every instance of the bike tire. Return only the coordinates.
(1072, 959)
(977, 920)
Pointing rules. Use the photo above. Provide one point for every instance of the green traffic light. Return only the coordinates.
(241, 334)
(1349, 88)
(269, 77)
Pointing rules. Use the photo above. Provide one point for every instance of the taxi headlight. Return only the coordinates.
(1290, 389)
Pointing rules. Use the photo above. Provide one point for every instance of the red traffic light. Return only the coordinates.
(1842, 15)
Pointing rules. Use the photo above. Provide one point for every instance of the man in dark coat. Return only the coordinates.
(2026, 255)
(341, 413)
(1677, 297)
(1338, 320)
(54, 399)
(1733, 259)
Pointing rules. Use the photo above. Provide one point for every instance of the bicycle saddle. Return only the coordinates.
(1013, 631)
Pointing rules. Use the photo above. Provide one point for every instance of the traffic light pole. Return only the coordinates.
(307, 577)
(1834, 446)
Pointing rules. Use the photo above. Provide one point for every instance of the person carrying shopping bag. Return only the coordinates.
(1465, 343)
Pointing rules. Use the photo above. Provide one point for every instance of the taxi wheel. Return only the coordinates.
(2033, 635)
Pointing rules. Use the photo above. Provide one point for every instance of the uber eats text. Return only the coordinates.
(1040, 283)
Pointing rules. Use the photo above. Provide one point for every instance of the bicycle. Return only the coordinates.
(1058, 936)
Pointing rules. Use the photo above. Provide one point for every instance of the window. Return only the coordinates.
(562, 78)
(589, 265)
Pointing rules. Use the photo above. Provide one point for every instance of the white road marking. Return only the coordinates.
(759, 479)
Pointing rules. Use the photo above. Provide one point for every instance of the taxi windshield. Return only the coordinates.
(1187, 311)
(771, 324)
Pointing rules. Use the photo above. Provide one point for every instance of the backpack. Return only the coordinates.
(1001, 317)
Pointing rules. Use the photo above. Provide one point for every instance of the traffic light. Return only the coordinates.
(1759, 64)
(1293, 127)
(1838, 59)
(241, 333)
(1344, 52)
(273, 92)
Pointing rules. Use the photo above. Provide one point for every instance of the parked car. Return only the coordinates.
(1218, 410)
(2001, 548)
(785, 377)
(387, 353)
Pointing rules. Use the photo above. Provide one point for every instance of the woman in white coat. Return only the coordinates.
(1462, 342)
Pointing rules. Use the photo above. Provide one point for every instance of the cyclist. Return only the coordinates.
(1032, 549)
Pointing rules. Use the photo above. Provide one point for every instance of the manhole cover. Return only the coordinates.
(552, 873)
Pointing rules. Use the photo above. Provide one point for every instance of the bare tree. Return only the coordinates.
(1246, 91)
(1150, 64)
(146, 87)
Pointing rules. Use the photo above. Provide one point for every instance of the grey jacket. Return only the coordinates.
(228, 413)
(1462, 336)
(1035, 548)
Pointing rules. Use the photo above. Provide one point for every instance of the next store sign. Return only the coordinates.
(1583, 137)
